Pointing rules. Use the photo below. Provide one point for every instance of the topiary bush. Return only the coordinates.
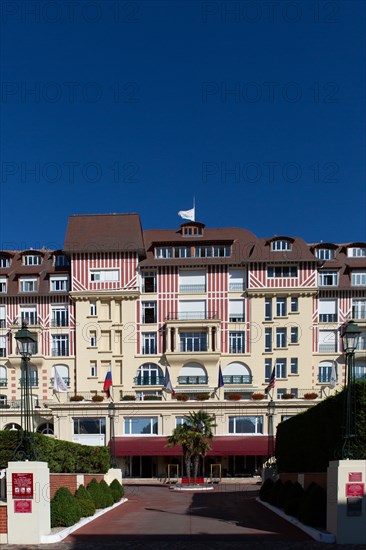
(117, 490)
(273, 495)
(65, 510)
(313, 506)
(86, 503)
(107, 494)
(96, 493)
(293, 500)
(284, 494)
(265, 489)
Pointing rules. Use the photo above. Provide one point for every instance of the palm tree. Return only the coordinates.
(195, 436)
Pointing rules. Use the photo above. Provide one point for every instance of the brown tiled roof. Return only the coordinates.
(300, 251)
(104, 233)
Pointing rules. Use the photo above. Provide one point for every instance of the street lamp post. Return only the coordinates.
(26, 345)
(111, 414)
(350, 338)
(271, 412)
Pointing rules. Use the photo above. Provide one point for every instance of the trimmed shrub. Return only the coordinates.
(313, 506)
(275, 491)
(265, 489)
(284, 494)
(117, 490)
(107, 494)
(96, 493)
(86, 503)
(294, 497)
(65, 510)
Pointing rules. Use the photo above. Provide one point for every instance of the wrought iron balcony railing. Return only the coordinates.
(192, 380)
(238, 379)
(149, 380)
(191, 315)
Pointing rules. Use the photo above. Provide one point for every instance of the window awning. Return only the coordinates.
(256, 445)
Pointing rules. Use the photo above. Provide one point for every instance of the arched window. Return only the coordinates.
(3, 376)
(237, 373)
(46, 428)
(360, 370)
(149, 374)
(33, 376)
(63, 371)
(192, 373)
(12, 427)
(3, 400)
(325, 371)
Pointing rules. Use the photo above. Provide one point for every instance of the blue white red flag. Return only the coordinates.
(108, 383)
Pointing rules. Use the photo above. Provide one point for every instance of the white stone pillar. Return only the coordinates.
(28, 492)
(346, 501)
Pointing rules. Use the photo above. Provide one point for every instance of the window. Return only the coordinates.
(89, 426)
(268, 309)
(93, 338)
(192, 282)
(245, 424)
(2, 316)
(3, 376)
(325, 253)
(32, 377)
(294, 304)
(63, 371)
(236, 342)
(328, 278)
(280, 271)
(104, 275)
(236, 311)
(93, 309)
(294, 365)
(356, 252)
(149, 312)
(193, 341)
(325, 372)
(149, 374)
(2, 346)
(59, 283)
(28, 314)
(182, 252)
(281, 307)
(360, 372)
(148, 282)
(281, 338)
(192, 309)
(28, 284)
(149, 340)
(196, 231)
(141, 426)
(327, 341)
(237, 373)
(59, 316)
(32, 259)
(203, 251)
(60, 345)
(2, 284)
(221, 251)
(267, 339)
(164, 252)
(294, 335)
(327, 311)
(359, 278)
(4, 261)
(61, 261)
(359, 309)
(93, 372)
(236, 280)
(281, 368)
(281, 245)
(179, 421)
(267, 369)
(192, 373)
(361, 344)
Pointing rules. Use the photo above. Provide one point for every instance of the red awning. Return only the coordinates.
(256, 445)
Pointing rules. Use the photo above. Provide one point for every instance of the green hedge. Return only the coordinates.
(86, 503)
(308, 441)
(62, 456)
(65, 509)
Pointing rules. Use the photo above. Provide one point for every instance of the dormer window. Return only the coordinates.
(59, 283)
(192, 231)
(4, 261)
(32, 259)
(281, 245)
(356, 252)
(28, 284)
(61, 261)
(163, 252)
(325, 253)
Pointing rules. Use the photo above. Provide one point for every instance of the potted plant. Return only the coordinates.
(257, 396)
(202, 396)
(234, 396)
(288, 396)
(97, 398)
(182, 396)
(129, 398)
(152, 397)
(76, 398)
(310, 395)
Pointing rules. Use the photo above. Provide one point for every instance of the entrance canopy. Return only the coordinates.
(256, 445)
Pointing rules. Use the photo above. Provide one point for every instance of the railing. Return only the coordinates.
(198, 345)
(192, 289)
(359, 312)
(236, 318)
(237, 348)
(63, 322)
(149, 380)
(238, 379)
(149, 349)
(3, 382)
(32, 381)
(60, 352)
(327, 348)
(192, 380)
(66, 380)
(236, 287)
(29, 319)
(191, 315)
(327, 318)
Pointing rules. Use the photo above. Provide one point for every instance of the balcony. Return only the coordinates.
(29, 319)
(192, 316)
(236, 287)
(192, 289)
(327, 348)
(149, 380)
(192, 380)
(32, 381)
(60, 322)
(60, 352)
(238, 379)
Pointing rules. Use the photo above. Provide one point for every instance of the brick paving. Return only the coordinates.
(157, 518)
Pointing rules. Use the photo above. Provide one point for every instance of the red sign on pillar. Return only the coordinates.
(23, 506)
(355, 489)
(22, 485)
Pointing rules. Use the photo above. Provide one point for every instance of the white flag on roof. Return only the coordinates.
(187, 214)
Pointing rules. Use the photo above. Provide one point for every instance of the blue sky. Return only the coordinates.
(255, 108)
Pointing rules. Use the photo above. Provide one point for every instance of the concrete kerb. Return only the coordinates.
(61, 535)
(316, 534)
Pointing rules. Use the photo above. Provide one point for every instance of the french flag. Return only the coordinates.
(108, 383)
